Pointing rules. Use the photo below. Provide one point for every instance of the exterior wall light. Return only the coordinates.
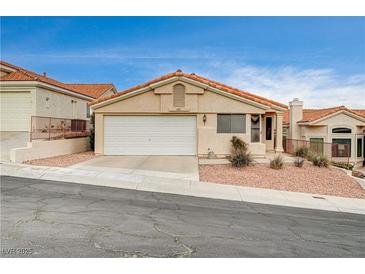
(204, 119)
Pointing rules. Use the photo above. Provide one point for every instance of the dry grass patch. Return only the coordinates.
(309, 178)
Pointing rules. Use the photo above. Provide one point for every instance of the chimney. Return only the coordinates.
(295, 114)
(45, 74)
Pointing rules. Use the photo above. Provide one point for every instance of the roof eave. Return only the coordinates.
(46, 85)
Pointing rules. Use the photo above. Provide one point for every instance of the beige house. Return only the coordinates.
(185, 114)
(337, 132)
(24, 94)
(35, 108)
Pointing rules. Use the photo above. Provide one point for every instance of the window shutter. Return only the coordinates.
(179, 96)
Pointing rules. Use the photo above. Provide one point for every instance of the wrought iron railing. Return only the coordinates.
(50, 128)
(336, 152)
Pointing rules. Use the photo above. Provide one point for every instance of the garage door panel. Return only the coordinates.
(15, 111)
(150, 135)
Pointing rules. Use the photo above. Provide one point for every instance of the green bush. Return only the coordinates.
(320, 161)
(348, 166)
(302, 152)
(239, 155)
(299, 162)
(277, 162)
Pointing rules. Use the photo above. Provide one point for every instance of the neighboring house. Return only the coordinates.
(24, 94)
(343, 127)
(34, 106)
(185, 114)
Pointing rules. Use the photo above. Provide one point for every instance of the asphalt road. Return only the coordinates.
(54, 219)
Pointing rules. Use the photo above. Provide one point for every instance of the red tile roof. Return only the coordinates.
(21, 74)
(93, 90)
(201, 79)
(310, 115)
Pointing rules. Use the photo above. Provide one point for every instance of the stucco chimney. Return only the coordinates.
(296, 114)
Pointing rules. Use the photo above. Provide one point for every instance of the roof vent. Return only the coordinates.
(179, 70)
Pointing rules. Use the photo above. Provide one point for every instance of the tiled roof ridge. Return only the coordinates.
(198, 78)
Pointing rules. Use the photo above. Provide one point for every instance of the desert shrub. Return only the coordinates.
(348, 166)
(299, 162)
(240, 160)
(311, 155)
(239, 154)
(238, 145)
(302, 152)
(320, 161)
(277, 162)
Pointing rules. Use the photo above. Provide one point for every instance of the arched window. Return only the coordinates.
(179, 95)
(341, 130)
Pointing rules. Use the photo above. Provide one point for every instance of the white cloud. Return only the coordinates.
(316, 87)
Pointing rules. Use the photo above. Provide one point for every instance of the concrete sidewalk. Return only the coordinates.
(186, 187)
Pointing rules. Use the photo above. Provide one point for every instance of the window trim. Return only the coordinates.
(231, 114)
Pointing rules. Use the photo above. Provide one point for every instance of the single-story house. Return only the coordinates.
(34, 106)
(24, 94)
(337, 132)
(185, 114)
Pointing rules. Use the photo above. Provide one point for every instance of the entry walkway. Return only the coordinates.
(186, 187)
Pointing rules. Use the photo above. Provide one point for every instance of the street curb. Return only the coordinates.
(189, 188)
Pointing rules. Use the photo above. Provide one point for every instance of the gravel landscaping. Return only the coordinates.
(310, 179)
(64, 160)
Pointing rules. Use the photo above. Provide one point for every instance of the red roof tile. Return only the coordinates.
(90, 90)
(201, 79)
(310, 115)
(93, 90)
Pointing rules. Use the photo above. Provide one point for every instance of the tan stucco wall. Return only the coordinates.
(323, 129)
(59, 105)
(44, 149)
(197, 102)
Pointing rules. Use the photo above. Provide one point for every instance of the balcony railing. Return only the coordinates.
(50, 128)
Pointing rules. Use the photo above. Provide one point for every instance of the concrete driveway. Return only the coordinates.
(180, 167)
(9, 140)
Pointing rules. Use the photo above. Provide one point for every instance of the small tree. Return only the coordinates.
(239, 154)
(92, 132)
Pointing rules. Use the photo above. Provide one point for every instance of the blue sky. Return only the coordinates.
(318, 59)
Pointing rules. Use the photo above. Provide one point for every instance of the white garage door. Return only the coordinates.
(15, 111)
(150, 135)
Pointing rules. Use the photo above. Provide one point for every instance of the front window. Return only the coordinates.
(231, 123)
(341, 147)
(341, 130)
(255, 128)
(359, 148)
